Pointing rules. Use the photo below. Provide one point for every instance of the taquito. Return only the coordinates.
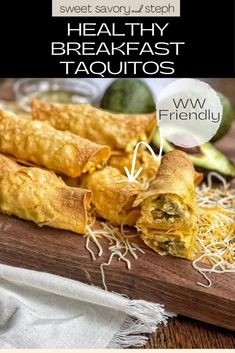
(113, 195)
(40, 196)
(39, 143)
(144, 160)
(168, 219)
(119, 131)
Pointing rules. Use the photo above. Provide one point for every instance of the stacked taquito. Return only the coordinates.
(41, 196)
(168, 220)
(113, 194)
(74, 142)
(39, 143)
(89, 148)
(121, 132)
(32, 190)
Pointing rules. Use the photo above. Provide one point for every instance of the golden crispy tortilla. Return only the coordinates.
(168, 218)
(40, 143)
(113, 195)
(119, 131)
(14, 107)
(40, 196)
(144, 159)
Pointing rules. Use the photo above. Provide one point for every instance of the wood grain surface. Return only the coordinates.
(162, 279)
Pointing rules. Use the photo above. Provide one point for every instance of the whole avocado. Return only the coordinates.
(227, 118)
(131, 96)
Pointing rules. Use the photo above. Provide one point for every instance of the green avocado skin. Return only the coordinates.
(131, 96)
(227, 118)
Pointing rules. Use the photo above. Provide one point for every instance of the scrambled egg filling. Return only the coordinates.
(177, 239)
(92, 166)
(168, 207)
(140, 137)
(170, 244)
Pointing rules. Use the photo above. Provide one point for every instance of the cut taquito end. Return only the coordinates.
(168, 219)
(40, 196)
(119, 131)
(39, 143)
(144, 160)
(113, 195)
(180, 245)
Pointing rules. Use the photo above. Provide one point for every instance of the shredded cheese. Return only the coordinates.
(120, 244)
(215, 241)
(216, 237)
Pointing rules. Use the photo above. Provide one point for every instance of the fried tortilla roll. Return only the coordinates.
(14, 107)
(113, 195)
(40, 143)
(144, 159)
(40, 196)
(119, 131)
(168, 218)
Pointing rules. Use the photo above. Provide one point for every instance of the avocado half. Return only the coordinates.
(209, 158)
(131, 96)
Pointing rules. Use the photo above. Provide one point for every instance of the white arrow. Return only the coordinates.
(132, 175)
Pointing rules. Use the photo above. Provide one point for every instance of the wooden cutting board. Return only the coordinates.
(165, 280)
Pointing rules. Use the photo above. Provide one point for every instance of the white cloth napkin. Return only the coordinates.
(41, 310)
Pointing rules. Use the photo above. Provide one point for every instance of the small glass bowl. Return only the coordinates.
(55, 90)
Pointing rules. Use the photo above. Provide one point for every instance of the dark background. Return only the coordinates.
(27, 30)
